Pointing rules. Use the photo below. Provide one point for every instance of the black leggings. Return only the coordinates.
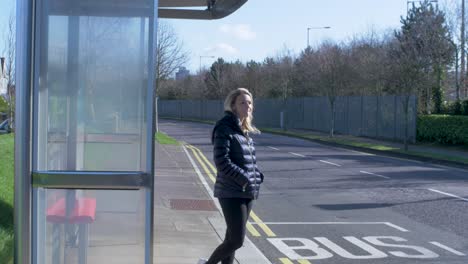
(236, 213)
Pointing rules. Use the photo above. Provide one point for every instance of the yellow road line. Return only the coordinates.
(303, 261)
(210, 175)
(286, 261)
(262, 225)
(213, 169)
(250, 227)
(252, 230)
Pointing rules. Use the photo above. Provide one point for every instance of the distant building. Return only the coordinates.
(3, 77)
(182, 73)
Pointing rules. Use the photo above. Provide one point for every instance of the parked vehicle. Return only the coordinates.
(5, 127)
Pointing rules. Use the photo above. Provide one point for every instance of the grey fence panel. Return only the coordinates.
(212, 109)
(400, 121)
(355, 115)
(341, 115)
(369, 116)
(317, 114)
(191, 109)
(413, 116)
(164, 108)
(386, 118)
(169, 108)
(310, 113)
(323, 114)
(294, 114)
(267, 112)
(161, 108)
(260, 113)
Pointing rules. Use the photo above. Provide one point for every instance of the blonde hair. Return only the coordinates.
(246, 125)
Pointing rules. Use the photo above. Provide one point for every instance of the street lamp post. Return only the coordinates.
(309, 28)
(202, 56)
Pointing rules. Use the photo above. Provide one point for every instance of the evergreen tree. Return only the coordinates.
(425, 37)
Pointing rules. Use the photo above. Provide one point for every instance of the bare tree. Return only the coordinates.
(306, 74)
(236, 75)
(252, 76)
(455, 19)
(370, 64)
(10, 50)
(284, 71)
(170, 53)
(335, 74)
(462, 47)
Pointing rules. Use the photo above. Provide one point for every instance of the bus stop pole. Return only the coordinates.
(22, 192)
(151, 128)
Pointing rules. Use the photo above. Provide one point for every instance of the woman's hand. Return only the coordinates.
(244, 187)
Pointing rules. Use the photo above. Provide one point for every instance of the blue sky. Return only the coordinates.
(6, 7)
(264, 28)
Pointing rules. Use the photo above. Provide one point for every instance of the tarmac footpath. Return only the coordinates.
(188, 222)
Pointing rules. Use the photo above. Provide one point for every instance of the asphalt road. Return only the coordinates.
(321, 204)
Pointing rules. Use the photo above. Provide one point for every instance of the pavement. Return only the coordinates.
(188, 222)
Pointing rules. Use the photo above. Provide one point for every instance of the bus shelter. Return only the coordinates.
(84, 148)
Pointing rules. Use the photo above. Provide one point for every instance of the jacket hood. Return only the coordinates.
(230, 120)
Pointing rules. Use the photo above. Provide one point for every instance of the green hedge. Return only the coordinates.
(444, 129)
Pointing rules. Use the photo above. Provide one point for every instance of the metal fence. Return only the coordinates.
(368, 116)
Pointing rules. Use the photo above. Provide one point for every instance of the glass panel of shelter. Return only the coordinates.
(89, 115)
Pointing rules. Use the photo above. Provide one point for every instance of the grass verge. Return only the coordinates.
(6, 197)
(164, 139)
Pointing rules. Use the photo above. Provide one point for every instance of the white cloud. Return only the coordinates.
(222, 48)
(240, 31)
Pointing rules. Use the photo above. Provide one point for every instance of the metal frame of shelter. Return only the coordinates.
(30, 35)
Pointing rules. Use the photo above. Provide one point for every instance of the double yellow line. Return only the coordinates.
(210, 170)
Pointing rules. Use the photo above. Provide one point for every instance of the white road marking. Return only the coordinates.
(296, 154)
(331, 163)
(210, 192)
(374, 174)
(373, 252)
(450, 168)
(336, 223)
(449, 194)
(362, 153)
(396, 227)
(458, 253)
(272, 148)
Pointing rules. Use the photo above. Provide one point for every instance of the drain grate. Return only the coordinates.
(188, 204)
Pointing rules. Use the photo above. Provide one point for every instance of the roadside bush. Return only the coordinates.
(451, 108)
(444, 129)
(464, 107)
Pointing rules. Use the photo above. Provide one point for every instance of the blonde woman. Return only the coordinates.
(238, 179)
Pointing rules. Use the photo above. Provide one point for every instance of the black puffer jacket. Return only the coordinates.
(234, 156)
